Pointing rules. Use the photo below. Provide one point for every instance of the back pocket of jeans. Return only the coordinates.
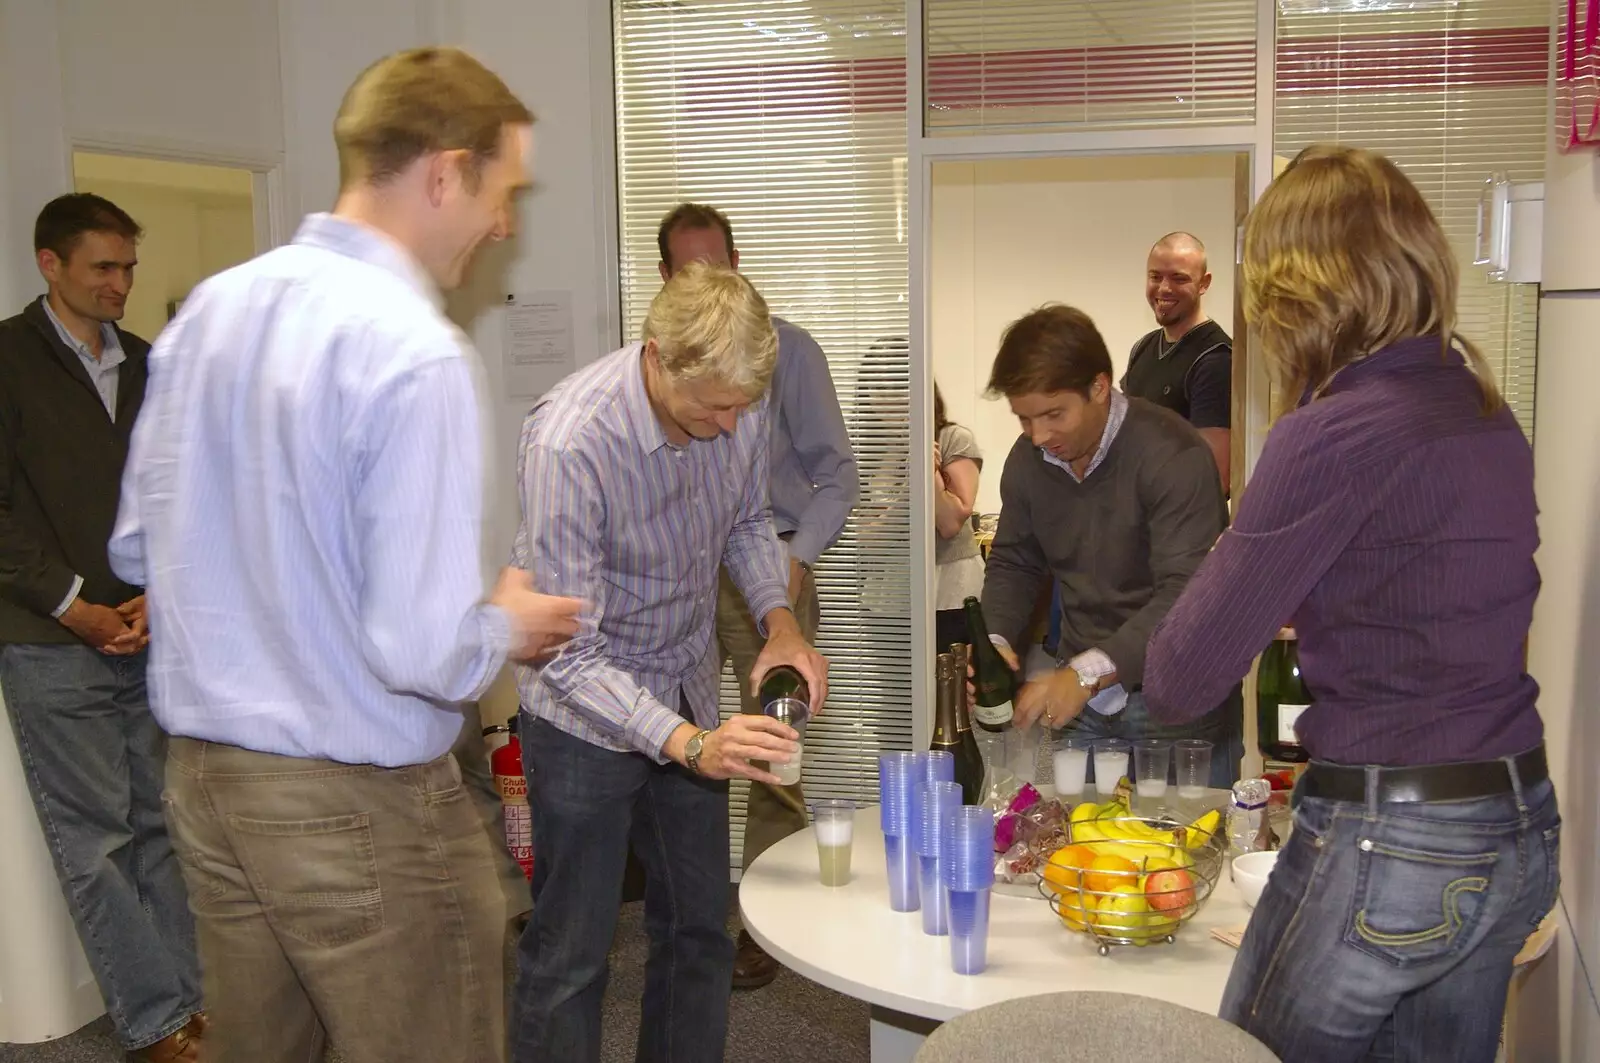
(317, 879)
(1417, 906)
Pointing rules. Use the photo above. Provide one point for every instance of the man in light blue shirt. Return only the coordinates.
(813, 485)
(641, 476)
(303, 503)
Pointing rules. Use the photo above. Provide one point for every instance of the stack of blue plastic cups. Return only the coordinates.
(899, 774)
(969, 876)
(935, 815)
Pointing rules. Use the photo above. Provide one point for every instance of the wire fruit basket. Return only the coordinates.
(1131, 887)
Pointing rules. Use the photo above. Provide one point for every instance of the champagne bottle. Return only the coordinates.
(1281, 696)
(994, 684)
(949, 734)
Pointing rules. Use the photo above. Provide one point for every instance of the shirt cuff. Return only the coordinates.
(1097, 664)
(649, 727)
(77, 586)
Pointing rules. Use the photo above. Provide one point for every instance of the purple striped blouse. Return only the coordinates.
(1394, 525)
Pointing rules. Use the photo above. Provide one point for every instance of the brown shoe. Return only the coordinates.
(180, 1047)
(752, 967)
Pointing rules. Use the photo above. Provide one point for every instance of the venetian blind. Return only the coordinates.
(1452, 93)
(789, 116)
(1041, 65)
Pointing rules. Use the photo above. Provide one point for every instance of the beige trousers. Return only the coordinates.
(339, 902)
(772, 813)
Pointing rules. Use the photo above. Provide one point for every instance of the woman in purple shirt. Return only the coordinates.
(1391, 520)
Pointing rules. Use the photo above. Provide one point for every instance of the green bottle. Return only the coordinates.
(1281, 696)
(994, 684)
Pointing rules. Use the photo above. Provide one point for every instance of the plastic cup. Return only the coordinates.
(905, 873)
(939, 803)
(970, 859)
(1193, 759)
(1110, 764)
(969, 931)
(896, 770)
(1071, 764)
(1151, 758)
(939, 766)
(834, 821)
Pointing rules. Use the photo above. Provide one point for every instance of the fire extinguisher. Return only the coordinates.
(506, 764)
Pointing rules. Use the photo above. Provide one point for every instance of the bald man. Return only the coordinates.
(1185, 365)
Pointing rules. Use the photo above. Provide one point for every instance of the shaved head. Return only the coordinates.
(1175, 281)
(1182, 243)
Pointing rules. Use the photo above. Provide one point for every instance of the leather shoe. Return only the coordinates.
(179, 1047)
(752, 967)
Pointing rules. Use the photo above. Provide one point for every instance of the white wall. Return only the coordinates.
(1009, 235)
(1566, 620)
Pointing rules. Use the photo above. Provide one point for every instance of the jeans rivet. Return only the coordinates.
(1317, 843)
(1366, 845)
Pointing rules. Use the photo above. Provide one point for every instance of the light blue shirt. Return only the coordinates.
(616, 515)
(814, 482)
(303, 503)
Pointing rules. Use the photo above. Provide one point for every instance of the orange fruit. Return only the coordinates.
(1062, 872)
(1106, 873)
(1076, 909)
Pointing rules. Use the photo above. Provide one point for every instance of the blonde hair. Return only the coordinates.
(420, 102)
(709, 323)
(1343, 257)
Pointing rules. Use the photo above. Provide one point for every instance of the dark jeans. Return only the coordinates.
(1386, 932)
(94, 757)
(588, 803)
(1223, 727)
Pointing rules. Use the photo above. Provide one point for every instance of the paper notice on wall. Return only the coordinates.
(538, 349)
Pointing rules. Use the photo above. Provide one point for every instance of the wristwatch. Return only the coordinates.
(1091, 683)
(692, 751)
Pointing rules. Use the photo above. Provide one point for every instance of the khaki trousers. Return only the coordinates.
(339, 902)
(772, 813)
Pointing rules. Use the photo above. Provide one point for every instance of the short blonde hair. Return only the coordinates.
(709, 323)
(419, 102)
(1343, 257)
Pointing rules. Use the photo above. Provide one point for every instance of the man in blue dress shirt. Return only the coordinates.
(642, 475)
(813, 483)
(303, 503)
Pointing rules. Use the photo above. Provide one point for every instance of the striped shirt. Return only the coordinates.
(615, 514)
(1394, 526)
(303, 503)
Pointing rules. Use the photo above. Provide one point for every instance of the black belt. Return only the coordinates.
(1432, 782)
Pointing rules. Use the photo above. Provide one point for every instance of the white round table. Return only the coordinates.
(849, 940)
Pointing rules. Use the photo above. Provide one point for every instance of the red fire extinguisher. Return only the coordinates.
(506, 764)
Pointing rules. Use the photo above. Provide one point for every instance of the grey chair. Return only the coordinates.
(1092, 1027)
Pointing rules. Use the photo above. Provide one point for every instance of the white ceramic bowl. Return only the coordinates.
(1250, 873)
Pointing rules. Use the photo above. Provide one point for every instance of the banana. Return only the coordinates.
(1201, 830)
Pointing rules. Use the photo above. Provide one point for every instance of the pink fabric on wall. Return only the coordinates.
(1578, 77)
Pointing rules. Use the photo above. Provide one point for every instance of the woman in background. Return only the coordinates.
(1391, 521)
(956, 464)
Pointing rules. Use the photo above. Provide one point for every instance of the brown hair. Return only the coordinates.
(1054, 348)
(417, 103)
(691, 216)
(1343, 257)
(64, 220)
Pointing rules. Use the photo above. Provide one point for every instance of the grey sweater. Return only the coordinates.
(1122, 544)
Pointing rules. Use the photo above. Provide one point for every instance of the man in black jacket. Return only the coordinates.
(72, 635)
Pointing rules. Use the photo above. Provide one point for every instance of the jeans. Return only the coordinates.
(1387, 931)
(588, 803)
(339, 902)
(1223, 727)
(93, 757)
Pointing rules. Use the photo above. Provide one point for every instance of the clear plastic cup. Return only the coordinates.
(969, 930)
(1151, 758)
(834, 820)
(1110, 764)
(1071, 764)
(1192, 757)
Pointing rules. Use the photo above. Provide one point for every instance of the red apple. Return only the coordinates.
(1169, 891)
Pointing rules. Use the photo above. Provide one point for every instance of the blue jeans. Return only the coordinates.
(1223, 727)
(1387, 931)
(94, 759)
(588, 803)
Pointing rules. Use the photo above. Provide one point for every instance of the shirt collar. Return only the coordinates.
(366, 244)
(1114, 419)
(1419, 351)
(641, 413)
(111, 353)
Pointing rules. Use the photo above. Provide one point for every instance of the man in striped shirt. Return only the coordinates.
(641, 475)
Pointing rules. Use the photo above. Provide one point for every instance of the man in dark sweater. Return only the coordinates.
(73, 636)
(1114, 501)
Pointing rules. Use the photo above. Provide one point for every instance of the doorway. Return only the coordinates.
(198, 219)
